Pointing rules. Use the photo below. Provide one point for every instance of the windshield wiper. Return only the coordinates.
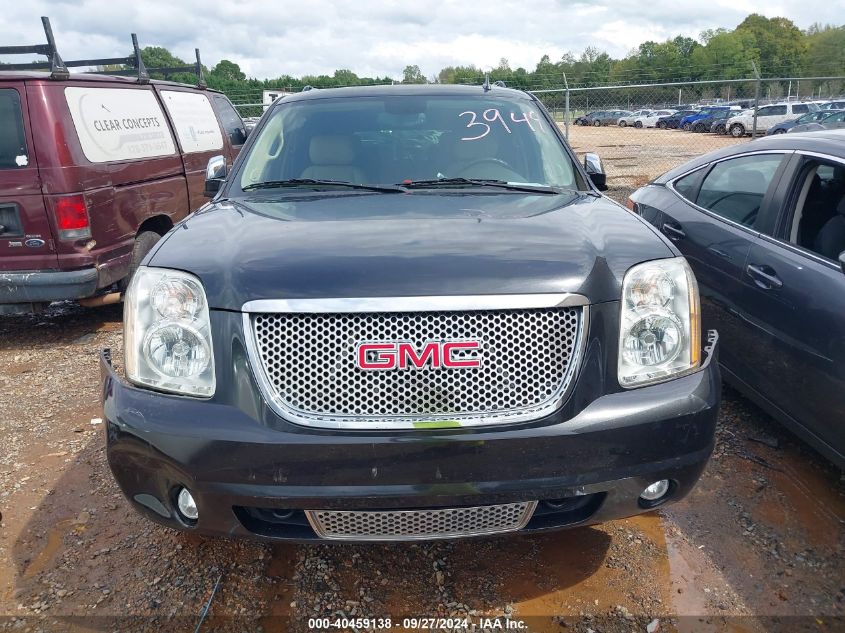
(475, 182)
(310, 182)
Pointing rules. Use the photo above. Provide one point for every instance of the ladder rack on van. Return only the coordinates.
(59, 68)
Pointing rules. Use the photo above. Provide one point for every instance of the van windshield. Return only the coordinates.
(13, 154)
(400, 139)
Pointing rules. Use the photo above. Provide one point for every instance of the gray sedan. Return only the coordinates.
(835, 121)
(762, 225)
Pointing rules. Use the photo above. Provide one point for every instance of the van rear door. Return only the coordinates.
(233, 126)
(197, 132)
(26, 242)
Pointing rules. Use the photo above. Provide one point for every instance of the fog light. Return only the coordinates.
(655, 491)
(186, 504)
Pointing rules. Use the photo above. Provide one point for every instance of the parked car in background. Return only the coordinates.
(688, 121)
(767, 116)
(587, 119)
(250, 122)
(94, 169)
(834, 121)
(651, 119)
(672, 121)
(763, 226)
(809, 117)
(838, 104)
(629, 119)
(534, 363)
(705, 124)
(609, 117)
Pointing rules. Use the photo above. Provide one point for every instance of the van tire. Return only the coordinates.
(144, 242)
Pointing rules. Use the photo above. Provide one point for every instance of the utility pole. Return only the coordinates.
(566, 109)
(756, 97)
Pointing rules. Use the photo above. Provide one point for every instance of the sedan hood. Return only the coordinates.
(342, 245)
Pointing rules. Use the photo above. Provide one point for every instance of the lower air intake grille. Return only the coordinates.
(396, 525)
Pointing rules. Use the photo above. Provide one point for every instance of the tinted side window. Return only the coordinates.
(13, 153)
(818, 218)
(777, 110)
(734, 189)
(231, 120)
(688, 185)
(800, 108)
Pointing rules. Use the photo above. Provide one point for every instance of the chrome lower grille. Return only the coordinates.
(308, 364)
(392, 525)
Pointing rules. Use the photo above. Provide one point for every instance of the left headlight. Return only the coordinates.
(167, 332)
(660, 324)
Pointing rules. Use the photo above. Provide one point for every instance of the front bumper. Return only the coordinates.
(253, 474)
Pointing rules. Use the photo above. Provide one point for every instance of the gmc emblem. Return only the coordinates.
(404, 355)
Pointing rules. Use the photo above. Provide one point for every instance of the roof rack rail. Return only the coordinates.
(59, 68)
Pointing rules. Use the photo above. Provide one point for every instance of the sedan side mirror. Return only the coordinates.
(842, 261)
(215, 176)
(595, 170)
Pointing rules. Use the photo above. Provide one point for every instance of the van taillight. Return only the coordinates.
(72, 218)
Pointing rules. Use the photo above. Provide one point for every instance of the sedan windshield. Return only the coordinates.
(402, 139)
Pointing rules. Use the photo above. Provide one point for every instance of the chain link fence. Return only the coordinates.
(641, 131)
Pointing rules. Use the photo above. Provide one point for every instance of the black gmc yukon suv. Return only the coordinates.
(408, 313)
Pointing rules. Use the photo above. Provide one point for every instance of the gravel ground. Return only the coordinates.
(632, 157)
(762, 535)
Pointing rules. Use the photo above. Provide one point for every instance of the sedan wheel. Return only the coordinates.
(597, 123)
(638, 124)
(623, 123)
(687, 127)
(779, 131)
(737, 130)
(661, 125)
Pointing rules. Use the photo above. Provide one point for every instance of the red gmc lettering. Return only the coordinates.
(403, 355)
(384, 353)
(448, 348)
(408, 353)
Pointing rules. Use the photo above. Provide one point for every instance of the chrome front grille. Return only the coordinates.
(307, 363)
(391, 525)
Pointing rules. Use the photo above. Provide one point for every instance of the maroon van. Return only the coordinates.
(94, 169)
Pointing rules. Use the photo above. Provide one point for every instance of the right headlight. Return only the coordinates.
(660, 325)
(167, 332)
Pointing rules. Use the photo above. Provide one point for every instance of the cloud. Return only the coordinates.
(379, 37)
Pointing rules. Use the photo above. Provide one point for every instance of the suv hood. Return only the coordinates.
(418, 244)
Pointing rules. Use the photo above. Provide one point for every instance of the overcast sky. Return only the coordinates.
(380, 37)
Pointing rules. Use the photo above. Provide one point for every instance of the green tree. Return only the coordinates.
(228, 71)
(159, 57)
(344, 77)
(825, 50)
(413, 75)
(780, 44)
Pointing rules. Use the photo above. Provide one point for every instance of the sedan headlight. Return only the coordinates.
(167, 333)
(660, 325)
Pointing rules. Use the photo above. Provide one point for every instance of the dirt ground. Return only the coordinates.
(758, 546)
(632, 157)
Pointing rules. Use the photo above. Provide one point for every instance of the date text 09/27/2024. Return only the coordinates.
(419, 623)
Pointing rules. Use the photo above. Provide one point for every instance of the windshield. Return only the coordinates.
(400, 139)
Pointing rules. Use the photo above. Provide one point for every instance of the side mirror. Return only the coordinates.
(842, 261)
(595, 170)
(215, 176)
